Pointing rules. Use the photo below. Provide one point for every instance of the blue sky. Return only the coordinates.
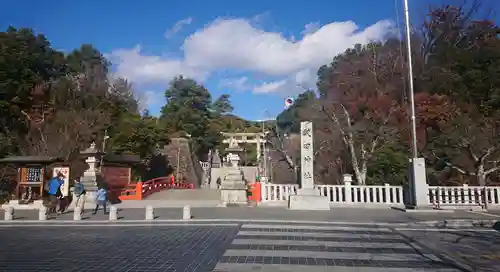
(257, 51)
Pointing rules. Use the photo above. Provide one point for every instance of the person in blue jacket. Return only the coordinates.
(101, 199)
(54, 191)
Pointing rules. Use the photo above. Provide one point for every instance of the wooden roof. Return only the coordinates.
(124, 158)
(30, 160)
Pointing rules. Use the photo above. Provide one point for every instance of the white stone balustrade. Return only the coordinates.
(338, 194)
(468, 196)
(277, 192)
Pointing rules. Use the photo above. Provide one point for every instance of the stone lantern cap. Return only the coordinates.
(91, 150)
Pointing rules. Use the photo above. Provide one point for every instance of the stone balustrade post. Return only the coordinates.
(42, 213)
(77, 214)
(466, 193)
(348, 192)
(186, 213)
(150, 213)
(9, 213)
(387, 189)
(113, 213)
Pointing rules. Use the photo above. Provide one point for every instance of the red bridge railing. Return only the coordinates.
(143, 189)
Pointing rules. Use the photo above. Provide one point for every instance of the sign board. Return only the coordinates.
(65, 171)
(306, 155)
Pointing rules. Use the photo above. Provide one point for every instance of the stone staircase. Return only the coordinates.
(233, 187)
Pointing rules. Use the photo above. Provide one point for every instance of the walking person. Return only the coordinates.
(54, 191)
(80, 194)
(62, 199)
(101, 199)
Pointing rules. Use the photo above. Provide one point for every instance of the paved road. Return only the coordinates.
(477, 250)
(113, 249)
(212, 247)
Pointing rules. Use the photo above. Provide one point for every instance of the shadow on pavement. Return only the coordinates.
(496, 226)
(423, 250)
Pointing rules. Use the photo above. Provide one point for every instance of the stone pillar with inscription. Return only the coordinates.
(308, 197)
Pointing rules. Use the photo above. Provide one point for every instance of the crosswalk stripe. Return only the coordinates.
(237, 267)
(239, 241)
(287, 247)
(333, 255)
(317, 234)
(312, 227)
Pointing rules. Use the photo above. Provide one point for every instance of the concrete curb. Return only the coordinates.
(224, 220)
(442, 224)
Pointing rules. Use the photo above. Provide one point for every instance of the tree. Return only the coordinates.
(462, 60)
(289, 120)
(288, 148)
(469, 145)
(138, 135)
(188, 110)
(222, 105)
(122, 96)
(26, 59)
(388, 165)
(362, 102)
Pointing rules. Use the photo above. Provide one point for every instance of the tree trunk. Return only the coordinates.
(297, 175)
(364, 170)
(481, 175)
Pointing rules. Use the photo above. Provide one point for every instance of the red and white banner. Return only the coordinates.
(65, 171)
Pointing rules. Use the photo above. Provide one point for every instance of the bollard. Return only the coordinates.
(150, 213)
(42, 213)
(9, 213)
(186, 213)
(77, 214)
(113, 213)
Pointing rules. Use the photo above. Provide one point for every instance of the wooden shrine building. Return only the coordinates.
(32, 173)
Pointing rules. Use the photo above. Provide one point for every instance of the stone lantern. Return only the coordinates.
(89, 178)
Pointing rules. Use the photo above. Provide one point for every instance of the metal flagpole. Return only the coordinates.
(418, 188)
(410, 79)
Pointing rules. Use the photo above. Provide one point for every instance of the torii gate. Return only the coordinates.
(257, 138)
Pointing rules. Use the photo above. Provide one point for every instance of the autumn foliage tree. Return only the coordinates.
(462, 63)
(361, 99)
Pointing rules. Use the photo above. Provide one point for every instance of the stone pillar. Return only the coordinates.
(306, 156)
(308, 197)
(89, 178)
(418, 189)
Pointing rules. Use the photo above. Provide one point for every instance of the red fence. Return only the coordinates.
(141, 190)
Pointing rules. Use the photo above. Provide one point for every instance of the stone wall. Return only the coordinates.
(179, 155)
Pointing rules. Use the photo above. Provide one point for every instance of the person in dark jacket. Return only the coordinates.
(80, 194)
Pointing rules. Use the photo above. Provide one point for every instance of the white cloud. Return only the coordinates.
(310, 28)
(142, 68)
(239, 45)
(237, 84)
(177, 27)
